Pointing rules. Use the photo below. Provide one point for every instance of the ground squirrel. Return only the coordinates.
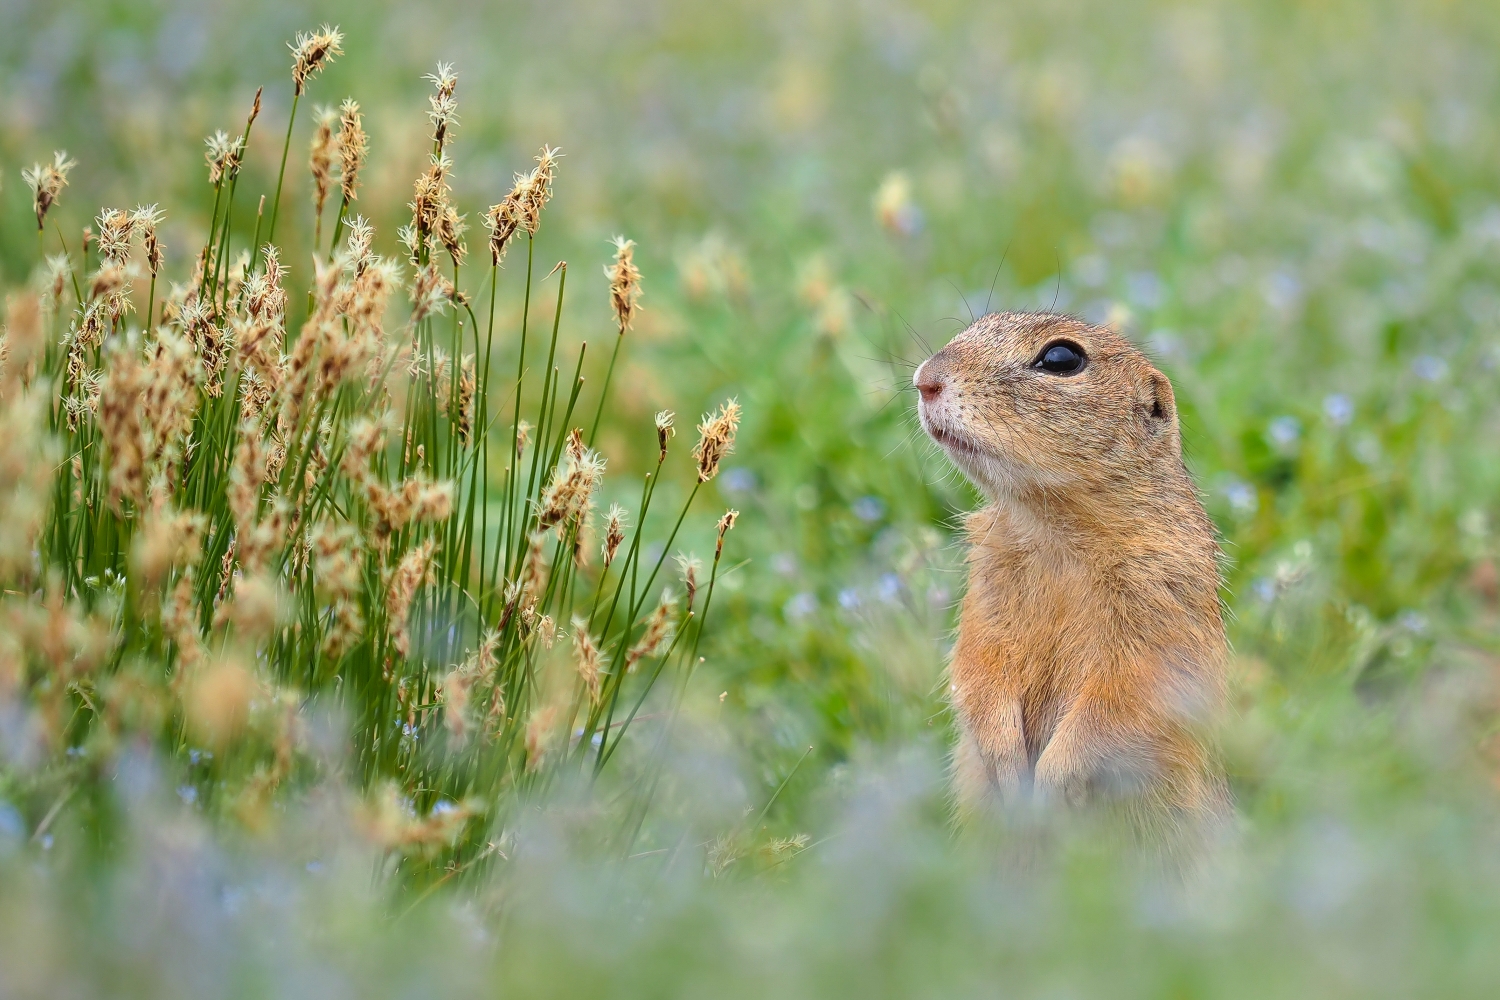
(1091, 651)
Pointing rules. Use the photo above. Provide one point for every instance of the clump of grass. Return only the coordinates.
(266, 493)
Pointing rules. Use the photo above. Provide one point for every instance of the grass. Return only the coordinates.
(234, 516)
(1292, 208)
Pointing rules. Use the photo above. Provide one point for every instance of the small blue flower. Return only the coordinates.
(1242, 497)
(890, 588)
(737, 480)
(1284, 432)
(800, 606)
(12, 826)
(869, 508)
(1092, 270)
(1429, 367)
(1412, 621)
(1338, 409)
(1282, 291)
(1145, 289)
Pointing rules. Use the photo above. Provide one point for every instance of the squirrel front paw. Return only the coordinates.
(1060, 782)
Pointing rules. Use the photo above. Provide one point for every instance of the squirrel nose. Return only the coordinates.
(930, 387)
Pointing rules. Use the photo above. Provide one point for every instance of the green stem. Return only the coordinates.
(609, 376)
(151, 302)
(515, 458)
(281, 174)
(338, 229)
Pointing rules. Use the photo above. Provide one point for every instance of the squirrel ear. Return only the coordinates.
(1160, 403)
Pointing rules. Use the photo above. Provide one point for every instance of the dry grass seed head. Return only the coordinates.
(533, 571)
(166, 539)
(361, 238)
(725, 524)
(256, 608)
(321, 155)
(690, 566)
(58, 271)
(171, 397)
(120, 394)
(223, 156)
(449, 228)
(546, 631)
(716, 439)
(27, 460)
(540, 733)
(614, 533)
(431, 292)
(217, 702)
(354, 146)
(311, 51)
(444, 106)
(266, 537)
(523, 437)
(522, 208)
(417, 499)
(115, 230)
(414, 569)
(583, 540)
(247, 476)
(502, 219)
(210, 340)
(338, 552)
(46, 181)
(179, 623)
(624, 283)
(464, 410)
(571, 491)
(657, 633)
(429, 198)
(22, 344)
(453, 696)
(273, 302)
(664, 433)
(587, 659)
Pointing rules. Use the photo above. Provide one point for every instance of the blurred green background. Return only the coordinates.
(1293, 206)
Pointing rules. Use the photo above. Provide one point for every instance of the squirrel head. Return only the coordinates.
(1034, 404)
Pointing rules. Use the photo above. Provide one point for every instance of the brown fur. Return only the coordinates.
(1091, 653)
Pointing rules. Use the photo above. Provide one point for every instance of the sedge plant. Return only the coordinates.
(221, 515)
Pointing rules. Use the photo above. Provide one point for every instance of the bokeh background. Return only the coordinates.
(1294, 207)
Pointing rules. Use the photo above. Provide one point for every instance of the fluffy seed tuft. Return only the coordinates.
(716, 439)
(624, 283)
(46, 181)
(311, 52)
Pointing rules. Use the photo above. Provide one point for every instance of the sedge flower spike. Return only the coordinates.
(354, 145)
(725, 524)
(311, 52)
(716, 439)
(624, 283)
(46, 181)
(664, 433)
(614, 533)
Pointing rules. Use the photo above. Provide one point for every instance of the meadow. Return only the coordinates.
(327, 665)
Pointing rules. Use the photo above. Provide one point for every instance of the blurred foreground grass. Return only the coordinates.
(1294, 207)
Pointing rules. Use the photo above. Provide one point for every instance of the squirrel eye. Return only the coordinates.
(1061, 357)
